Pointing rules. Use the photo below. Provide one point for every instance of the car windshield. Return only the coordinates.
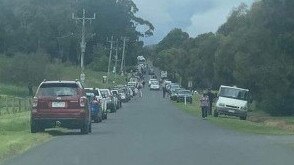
(154, 82)
(58, 90)
(233, 93)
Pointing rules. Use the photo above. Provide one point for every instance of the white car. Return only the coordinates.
(154, 85)
(151, 80)
(232, 101)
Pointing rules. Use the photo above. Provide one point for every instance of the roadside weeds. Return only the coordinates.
(257, 122)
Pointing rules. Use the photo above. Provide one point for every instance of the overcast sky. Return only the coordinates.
(193, 16)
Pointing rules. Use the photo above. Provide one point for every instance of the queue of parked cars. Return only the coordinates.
(68, 104)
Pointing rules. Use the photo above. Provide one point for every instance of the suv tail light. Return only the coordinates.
(35, 102)
(83, 101)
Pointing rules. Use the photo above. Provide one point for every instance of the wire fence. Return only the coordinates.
(12, 105)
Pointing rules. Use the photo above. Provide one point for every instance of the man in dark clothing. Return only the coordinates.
(211, 97)
(164, 91)
(30, 87)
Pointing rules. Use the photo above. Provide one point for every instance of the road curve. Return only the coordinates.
(151, 131)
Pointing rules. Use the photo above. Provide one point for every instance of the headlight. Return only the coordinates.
(221, 104)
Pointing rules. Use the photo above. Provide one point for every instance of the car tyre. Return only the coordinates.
(85, 128)
(34, 127)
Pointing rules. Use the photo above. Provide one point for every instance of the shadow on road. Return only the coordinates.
(62, 132)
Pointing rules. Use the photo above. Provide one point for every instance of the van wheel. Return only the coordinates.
(243, 118)
(34, 127)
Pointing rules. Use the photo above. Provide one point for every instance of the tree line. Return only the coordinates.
(37, 33)
(253, 49)
(30, 26)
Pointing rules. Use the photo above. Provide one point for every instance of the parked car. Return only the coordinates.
(171, 87)
(150, 81)
(101, 101)
(184, 94)
(232, 101)
(174, 94)
(110, 100)
(60, 103)
(94, 105)
(154, 85)
(115, 94)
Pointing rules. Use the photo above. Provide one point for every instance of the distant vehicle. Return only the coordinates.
(163, 74)
(110, 100)
(150, 81)
(174, 94)
(132, 84)
(171, 87)
(101, 101)
(94, 105)
(184, 94)
(232, 101)
(154, 85)
(60, 103)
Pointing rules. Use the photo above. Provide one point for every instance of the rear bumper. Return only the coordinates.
(73, 120)
(71, 123)
(231, 112)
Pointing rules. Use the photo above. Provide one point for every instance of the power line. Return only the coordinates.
(83, 20)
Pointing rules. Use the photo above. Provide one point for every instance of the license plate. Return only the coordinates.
(231, 111)
(58, 104)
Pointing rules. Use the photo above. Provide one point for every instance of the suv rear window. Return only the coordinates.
(58, 89)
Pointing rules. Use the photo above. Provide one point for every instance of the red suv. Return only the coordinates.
(60, 103)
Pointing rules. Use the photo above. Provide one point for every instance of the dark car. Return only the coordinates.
(60, 103)
(94, 106)
(184, 94)
(174, 94)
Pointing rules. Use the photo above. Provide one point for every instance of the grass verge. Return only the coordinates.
(256, 123)
(15, 136)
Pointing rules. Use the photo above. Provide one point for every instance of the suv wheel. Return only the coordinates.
(85, 128)
(34, 127)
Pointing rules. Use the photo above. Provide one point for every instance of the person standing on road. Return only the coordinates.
(204, 103)
(211, 97)
(140, 86)
(164, 91)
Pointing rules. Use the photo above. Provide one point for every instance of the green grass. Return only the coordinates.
(242, 126)
(15, 136)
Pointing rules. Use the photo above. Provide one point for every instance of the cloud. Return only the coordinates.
(194, 16)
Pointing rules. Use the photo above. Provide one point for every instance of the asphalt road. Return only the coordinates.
(151, 131)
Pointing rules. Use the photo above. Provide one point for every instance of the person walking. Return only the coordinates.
(204, 103)
(164, 91)
(140, 86)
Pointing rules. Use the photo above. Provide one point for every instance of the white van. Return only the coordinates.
(232, 101)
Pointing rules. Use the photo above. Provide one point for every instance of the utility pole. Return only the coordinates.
(83, 20)
(116, 57)
(123, 56)
(110, 57)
